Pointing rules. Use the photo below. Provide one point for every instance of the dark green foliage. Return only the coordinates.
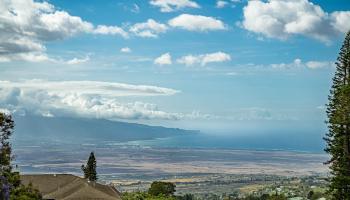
(157, 191)
(90, 168)
(162, 188)
(6, 130)
(25, 193)
(338, 136)
(146, 196)
(266, 197)
(314, 195)
(310, 194)
(186, 197)
(10, 183)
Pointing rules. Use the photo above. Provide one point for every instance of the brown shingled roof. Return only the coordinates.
(70, 187)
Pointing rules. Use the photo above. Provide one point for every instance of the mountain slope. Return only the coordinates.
(78, 128)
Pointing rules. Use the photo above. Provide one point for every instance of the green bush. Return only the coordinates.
(145, 196)
(162, 188)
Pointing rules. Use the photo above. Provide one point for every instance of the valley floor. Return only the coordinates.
(132, 167)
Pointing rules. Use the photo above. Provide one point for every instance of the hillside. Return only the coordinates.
(78, 128)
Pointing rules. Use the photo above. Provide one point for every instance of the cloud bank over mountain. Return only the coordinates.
(89, 99)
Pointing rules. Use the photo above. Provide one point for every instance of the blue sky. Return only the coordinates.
(211, 65)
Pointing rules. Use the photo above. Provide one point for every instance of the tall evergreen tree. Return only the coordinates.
(10, 183)
(6, 130)
(338, 136)
(90, 168)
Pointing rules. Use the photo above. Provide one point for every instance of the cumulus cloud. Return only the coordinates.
(340, 20)
(82, 99)
(150, 29)
(25, 27)
(110, 30)
(204, 59)
(125, 50)
(282, 19)
(221, 4)
(164, 59)
(196, 23)
(172, 5)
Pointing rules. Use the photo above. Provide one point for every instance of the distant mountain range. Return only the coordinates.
(90, 129)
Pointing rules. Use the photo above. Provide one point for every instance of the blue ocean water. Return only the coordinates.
(307, 142)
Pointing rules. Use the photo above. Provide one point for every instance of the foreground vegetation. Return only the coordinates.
(10, 183)
(147, 196)
(338, 137)
(157, 191)
(311, 188)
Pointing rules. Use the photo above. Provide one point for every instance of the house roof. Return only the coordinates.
(70, 187)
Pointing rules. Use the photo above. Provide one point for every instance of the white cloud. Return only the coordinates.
(110, 89)
(221, 4)
(215, 57)
(125, 50)
(77, 61)
(29, 57)
(151, 29)
(340, 21)
(172, 5)
(282, 19)
(110, 30)
(164, 59)
(196, 23)
(319, 64)
(226, 3)
(189, 60)
(82, 99)
(204, 59)
(26, 25)
(299, 64)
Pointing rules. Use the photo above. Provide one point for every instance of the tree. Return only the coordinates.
(90, 168)
(10, 182)
(6, 128)
(338, 136)
(310, 194)
(162, 188)
(187, 197)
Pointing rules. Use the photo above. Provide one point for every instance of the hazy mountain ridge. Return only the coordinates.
(80, 128)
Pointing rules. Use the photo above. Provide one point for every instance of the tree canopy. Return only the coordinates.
(338, 136)
(10, 183)
(162, 188)
(90, 169)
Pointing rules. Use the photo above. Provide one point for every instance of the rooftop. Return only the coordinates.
(70, 187)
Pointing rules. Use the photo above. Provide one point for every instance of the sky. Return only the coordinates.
(218, 66)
